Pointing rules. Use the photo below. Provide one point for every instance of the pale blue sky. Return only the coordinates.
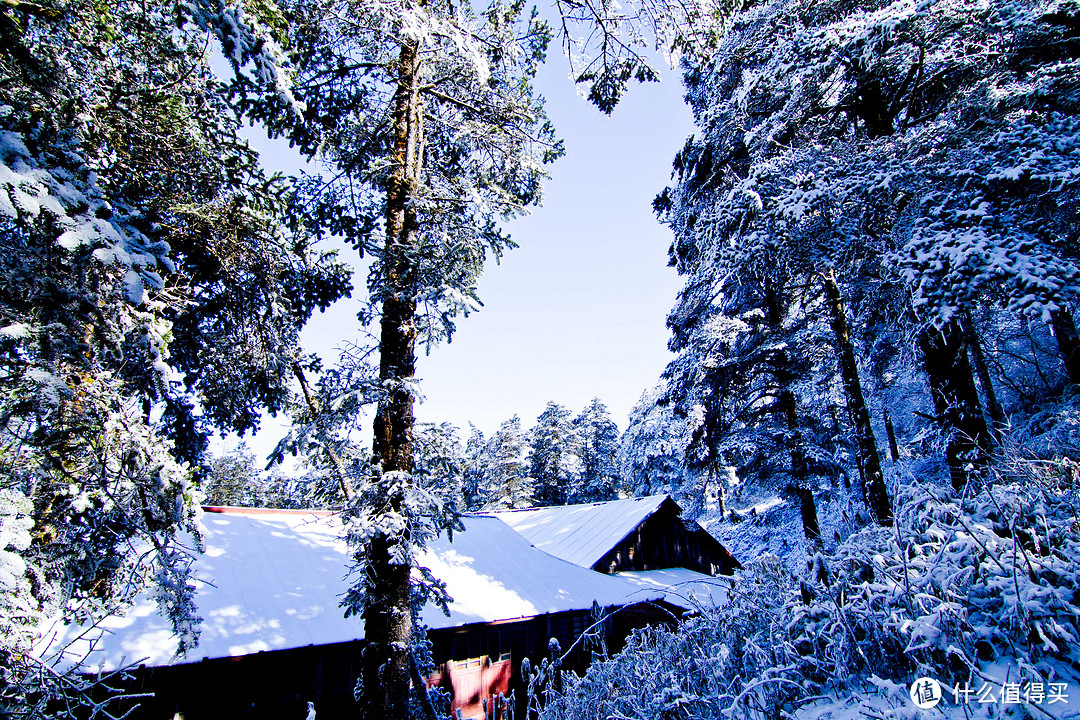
(578, 309)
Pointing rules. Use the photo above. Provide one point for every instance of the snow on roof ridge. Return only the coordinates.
(535, 508)
(238, 510)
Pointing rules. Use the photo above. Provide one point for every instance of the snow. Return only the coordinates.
(15, 526)
(493, 573)
(581, 534)
(16, 331)
(983, 698)
(51, 387)
(762, 507)
(681, 586)
(271, 580)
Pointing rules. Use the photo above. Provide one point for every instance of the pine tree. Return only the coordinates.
(599, 437)
(233, 479)
(875, 494)
(146, 273)
(507, 480)
(854, 140)
(440, 457)
(423, 115)
(473, 489)
(554, 448)
(652, 448)
(750, 357)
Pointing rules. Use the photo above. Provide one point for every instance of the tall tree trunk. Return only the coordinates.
(890, 431)
(788, 406)
(875, 493)
(721, 489)
(1068, 342)
(983, 373)
(387, 617)
(800, 487)
(956, 401)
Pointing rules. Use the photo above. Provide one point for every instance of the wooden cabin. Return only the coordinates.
(274, 637)
(623, 535)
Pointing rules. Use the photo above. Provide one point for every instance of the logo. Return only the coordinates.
(926, 693)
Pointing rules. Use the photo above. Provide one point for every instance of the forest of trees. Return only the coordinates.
(878, 235)
(873, 399)
(877, 224)
(562, 459)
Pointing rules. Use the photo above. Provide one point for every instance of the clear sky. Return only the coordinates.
(578, 309)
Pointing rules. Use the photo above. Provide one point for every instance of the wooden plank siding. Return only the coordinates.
(277, 685)
(663, 540)
(530, 637)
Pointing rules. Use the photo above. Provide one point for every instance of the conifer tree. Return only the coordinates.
(598, 448)
(233, 478)
(145, 272)
(554, 446)
(855, 140)
(440, 457)
(473, 491)
(423, 116)
(652, 448)
(507, 478)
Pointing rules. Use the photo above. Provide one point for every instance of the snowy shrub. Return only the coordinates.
(699, 669)
(18, 610)
(962, 589)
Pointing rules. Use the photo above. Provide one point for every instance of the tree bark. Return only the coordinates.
(721, 492)
(1068, 342)
(789, 407)
(890, 431)
(983, 373)
(800, 488)
(387, 616)
(956, 401)
(875, 493)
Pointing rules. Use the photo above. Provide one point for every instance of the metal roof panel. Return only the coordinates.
(581, 534)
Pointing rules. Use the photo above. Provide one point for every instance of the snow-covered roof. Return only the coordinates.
(272, 580)
(581, 534)
(685, 588)
(493, 573)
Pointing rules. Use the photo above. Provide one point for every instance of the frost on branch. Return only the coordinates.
(393, 508)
